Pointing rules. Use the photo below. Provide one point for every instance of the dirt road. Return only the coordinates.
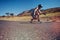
(27, 31)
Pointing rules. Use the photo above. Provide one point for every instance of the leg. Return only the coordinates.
(38, 18)
(31, 20)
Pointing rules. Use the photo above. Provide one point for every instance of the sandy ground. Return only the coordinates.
(10, 30)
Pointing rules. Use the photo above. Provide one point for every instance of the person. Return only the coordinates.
(36, 13)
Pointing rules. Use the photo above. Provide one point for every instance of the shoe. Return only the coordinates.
(40, 22)
(30, 21)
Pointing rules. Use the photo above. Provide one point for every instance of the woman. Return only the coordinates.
(36, 13)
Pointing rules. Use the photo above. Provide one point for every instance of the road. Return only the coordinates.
(10, 30)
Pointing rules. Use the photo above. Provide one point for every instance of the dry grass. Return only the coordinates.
(27, 18)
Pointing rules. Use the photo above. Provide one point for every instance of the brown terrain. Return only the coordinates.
(10, 30)
(47, 11)
(20, 29)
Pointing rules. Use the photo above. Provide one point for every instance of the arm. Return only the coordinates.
(44, 13)
(40, 12)
(35, 11)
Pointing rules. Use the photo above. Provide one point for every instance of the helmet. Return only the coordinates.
(39, 6)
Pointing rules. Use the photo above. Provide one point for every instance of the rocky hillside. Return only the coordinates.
(53, 10)
(50, 10)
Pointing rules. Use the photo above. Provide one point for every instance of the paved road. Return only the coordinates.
(27, 31)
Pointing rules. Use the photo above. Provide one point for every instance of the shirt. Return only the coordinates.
(37, 11)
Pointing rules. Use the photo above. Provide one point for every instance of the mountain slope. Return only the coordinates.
(50, 10)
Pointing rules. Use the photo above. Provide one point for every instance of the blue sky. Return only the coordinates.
(18, 6)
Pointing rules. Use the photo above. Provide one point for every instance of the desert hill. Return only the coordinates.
(50, 10)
